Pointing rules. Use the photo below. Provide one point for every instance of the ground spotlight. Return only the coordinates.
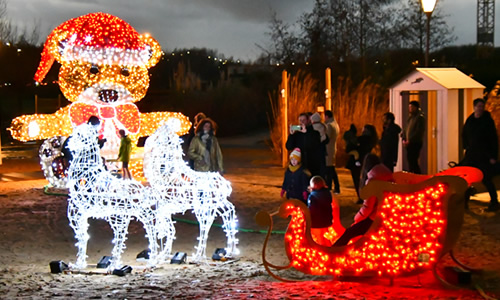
(58, 266)
(219, 254)
(123, 271)
(143, 255)
(104, 262)
(179, 258)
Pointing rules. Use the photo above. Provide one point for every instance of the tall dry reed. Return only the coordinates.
(360, 105)
(303, 96)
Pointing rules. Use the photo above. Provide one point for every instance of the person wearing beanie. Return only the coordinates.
(321, 128)
(308, 141)
(296, 178)
(320, 207)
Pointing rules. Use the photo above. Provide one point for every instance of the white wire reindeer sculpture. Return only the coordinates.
(205, 193)
(95, 193)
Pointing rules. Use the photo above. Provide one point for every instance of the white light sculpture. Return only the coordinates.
(95, 193)
(205, 193)
(53, 162)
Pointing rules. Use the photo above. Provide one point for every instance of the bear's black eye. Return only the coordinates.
(94, 69)
(125, 72)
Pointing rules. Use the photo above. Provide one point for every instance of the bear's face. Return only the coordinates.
(103, 83)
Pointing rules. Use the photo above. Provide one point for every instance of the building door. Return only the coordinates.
(428, 104)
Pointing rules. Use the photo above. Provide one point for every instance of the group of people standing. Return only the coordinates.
(313, 145)
(311, 175)
(311, 169)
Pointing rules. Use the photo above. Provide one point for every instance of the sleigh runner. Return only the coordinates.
(416, 225)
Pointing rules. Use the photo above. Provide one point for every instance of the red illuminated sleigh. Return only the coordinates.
(416, 225)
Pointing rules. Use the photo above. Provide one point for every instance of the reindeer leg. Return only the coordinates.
(152, 240)
(205, 221)
(229, 225)
(166, 233)
(163, 228)
(119, 224)
(80, 225)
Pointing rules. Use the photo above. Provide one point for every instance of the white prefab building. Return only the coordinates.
(445, 96)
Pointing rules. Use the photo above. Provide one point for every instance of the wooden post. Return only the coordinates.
(328, 89)
(284, 116)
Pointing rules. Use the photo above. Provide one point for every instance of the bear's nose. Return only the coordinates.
(108, 96)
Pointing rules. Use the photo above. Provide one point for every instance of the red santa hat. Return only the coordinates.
(98, 38)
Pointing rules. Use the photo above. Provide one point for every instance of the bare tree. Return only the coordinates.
(30, 36)
(410, 27)
(5, 24)
(10, 33)
(285, 43)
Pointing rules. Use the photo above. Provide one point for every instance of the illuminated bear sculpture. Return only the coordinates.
(104, 71)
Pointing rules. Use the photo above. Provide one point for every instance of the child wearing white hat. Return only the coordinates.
(296, 179)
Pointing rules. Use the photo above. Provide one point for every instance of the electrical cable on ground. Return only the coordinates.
(46, 192)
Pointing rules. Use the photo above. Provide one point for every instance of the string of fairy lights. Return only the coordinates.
(104, 71)
(174, 188)
(409, 238)
(204, 193)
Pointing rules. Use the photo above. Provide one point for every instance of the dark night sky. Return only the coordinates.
(233, 27)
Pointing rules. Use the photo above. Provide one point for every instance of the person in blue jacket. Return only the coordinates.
(296, 178)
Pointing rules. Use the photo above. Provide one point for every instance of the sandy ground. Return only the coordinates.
(35, 231)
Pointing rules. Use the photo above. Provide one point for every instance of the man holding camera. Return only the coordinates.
(308, 140)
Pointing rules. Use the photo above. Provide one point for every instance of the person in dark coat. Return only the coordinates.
(67, 155)
(308, 141)
(480, 141)
(321, 128)
(365, 143)
(351, 148)
(413, 136)
(296, 178)
(389, 141)
(351, 144)
(320, 207)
